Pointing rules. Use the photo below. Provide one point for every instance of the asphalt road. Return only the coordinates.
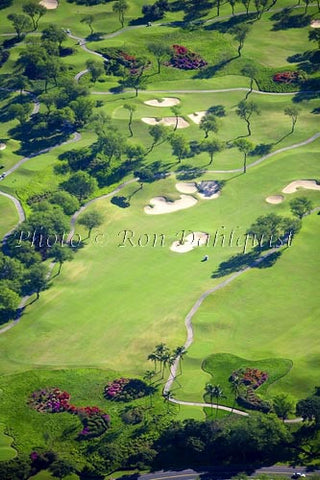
(221, 473)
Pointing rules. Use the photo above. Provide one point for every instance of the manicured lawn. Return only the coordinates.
(6, 451)
(8, 217)
(267, 312)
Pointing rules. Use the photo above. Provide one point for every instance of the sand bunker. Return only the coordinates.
(3, 146)
(167, 121)
(195, 239)
(164, 102)
(275, 199)
(307, 184)
(160, 205)
(196, 117)
(49, 4)
(186, 187)
(211, 196)
(315, 24)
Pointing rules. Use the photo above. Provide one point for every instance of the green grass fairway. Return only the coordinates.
(6, 451)
(8, 216)
(268, 312)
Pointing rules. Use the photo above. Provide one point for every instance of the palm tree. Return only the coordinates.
(217, 393)
(153, 358)
(180, 352)
(235, 390)
(131, 108)
(148, 376)
(167, 395)
(210, 390)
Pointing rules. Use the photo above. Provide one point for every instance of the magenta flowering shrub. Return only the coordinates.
(185, 59)
(126, 389)
(54, 400)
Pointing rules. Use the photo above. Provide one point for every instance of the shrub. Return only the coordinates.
(54, 400)
(184, 59)
(132, 415)
(287, 77)
(125, 389)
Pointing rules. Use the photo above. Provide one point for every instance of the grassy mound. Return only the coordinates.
(221, 365)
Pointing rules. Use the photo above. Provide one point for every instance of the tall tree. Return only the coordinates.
(35, 12)
(36, 279)
(180, 352)
(301, 206)
(88, 20)
(60, 255)
(232, 5)
(54, 33)
(245, 148)
(240, 33)
(246, 4)
(250, 71)
(161, 51)
(159, 134)
(210, 390)
(80, 184)
(131, 109)
(314, 36)
(9, 299)
(209, 124)
(283, 405)
(19, 82)
(91, 220)
(137, 81)
(21, 23)
(82, 108)
(217, 393)
(211, 147)
(217, 4)
(293, 113)
(180, 146)
(95, 69)
(120, 7)
(176, 110)
(20, 112)
(245, 110)
(307, 3)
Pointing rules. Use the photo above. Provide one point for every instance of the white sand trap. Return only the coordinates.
(160, 205)
(3, 146)
(307, 184)
(213, 196)
(315, 24)
(49, 4)
(275, 199)
(166, 121)
(196, 117)
(186, 187)
(164, 102)
(195, 239)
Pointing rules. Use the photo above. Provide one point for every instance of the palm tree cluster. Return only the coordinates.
(162, 357)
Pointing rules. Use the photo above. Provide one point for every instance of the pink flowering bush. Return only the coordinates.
(126, 389)
(287, 77)
(185, 59)
(54, 400)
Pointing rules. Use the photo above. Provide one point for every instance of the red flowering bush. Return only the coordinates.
(54, 400)
(184, 59)
(286, 77)
(250, 377)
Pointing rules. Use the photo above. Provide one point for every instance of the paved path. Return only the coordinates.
(20, 211)
(190, 339)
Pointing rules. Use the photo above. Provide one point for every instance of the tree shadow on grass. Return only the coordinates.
(186, 172)
(309, 90)
(242, 261)
(226, 26)
(284, 20)
(308, 61)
